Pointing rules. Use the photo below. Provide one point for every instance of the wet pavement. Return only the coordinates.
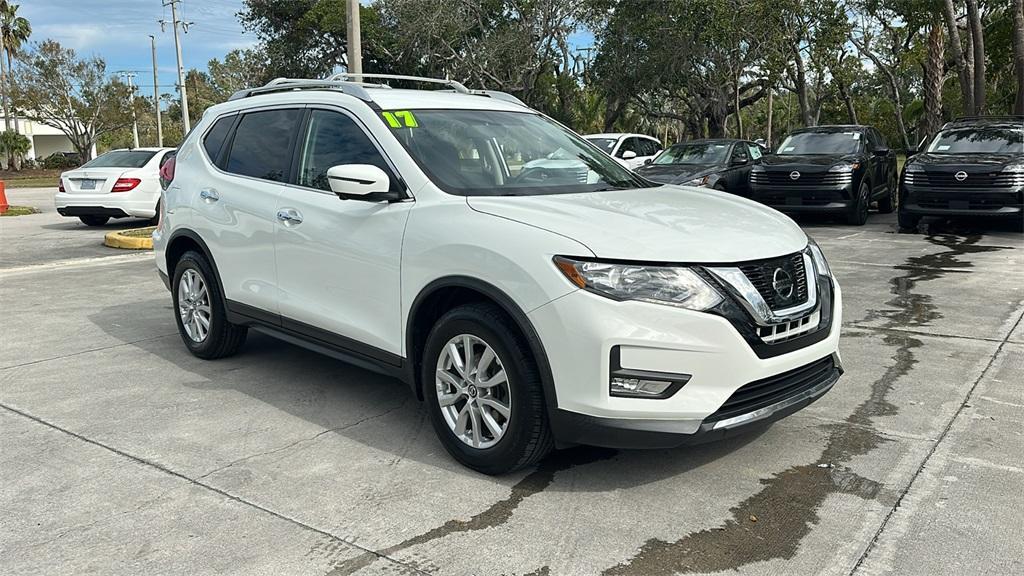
(122, 454)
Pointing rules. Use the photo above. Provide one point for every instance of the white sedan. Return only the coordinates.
(118, 184)
(630, 150)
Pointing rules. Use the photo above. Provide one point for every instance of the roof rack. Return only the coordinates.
(284, 84)
(457, 86)
(998, 118)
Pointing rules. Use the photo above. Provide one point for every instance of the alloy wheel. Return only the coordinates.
(194, 305)
(473, 391)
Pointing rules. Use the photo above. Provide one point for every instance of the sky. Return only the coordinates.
(118, 31)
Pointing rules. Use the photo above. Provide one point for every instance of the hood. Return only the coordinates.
(790, 161)
(663, 224)
(676, 173)
(954, 162)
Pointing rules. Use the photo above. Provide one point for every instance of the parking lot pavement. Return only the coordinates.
(48, 237)
(123, 454)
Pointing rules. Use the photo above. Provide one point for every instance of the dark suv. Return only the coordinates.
(972, 167)
(839, 169)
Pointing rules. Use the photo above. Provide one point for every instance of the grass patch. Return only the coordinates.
(20, 211)
(35, 178)
(139, 232)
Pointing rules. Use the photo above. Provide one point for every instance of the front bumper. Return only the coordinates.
(823, 198)
(928, 202)
(138, 204)
(580, 329)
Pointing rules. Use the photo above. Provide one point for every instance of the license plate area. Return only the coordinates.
(87, 184)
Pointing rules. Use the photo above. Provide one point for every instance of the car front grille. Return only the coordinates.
(973, 180)
(784, 178)
(767, 391)
(789, 330)
(939, 200)
(762, 275)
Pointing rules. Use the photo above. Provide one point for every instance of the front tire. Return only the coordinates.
(94, 220)
(199, 310)
(908, 222)
(858, 214)
(483, 391)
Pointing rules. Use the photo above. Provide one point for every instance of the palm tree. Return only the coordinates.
(14, 31)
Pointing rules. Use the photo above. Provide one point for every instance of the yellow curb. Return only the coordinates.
(121, 240)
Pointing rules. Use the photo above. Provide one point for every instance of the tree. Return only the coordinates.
(14, 31)
(1017, 7)
(964, 73)
(56, 88)
(14, 146)
(978, 46)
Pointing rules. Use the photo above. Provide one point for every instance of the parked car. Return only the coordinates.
(723, 164)
(631, 150)
(396, 229)
(837, 169)
(972, 167)
(118, 184)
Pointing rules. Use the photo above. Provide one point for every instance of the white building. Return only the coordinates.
(45, 139)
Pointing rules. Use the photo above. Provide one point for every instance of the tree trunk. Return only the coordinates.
(3, 85)
(771, 106)
(736, 107)
(978, 42)
(933, 80)
(801, 93)
(10, 93)
(1018, 52)
(962, 71)
(851, 112)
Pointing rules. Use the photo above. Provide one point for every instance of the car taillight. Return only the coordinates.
(125, 184)
(167, 172)
(60, 185)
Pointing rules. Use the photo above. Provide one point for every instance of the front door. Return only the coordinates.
(338, 261)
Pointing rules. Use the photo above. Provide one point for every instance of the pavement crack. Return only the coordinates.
(303, 440)
(89, 351)
(196, 482)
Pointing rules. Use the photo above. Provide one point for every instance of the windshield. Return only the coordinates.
(121, 159)
(492, 153)
(606, 144)
(820, 143)
(706, 153)
(979, 140)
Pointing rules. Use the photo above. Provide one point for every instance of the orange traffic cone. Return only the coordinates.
(3, 198)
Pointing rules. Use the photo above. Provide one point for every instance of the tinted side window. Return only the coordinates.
(648, 147)
(332, 139)
(262, 146)
(739, 154)
(214, 139)
(628, 145)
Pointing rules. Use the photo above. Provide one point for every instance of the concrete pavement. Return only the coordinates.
(123, 454)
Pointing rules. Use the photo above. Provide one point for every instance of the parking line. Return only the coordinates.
(76, 263)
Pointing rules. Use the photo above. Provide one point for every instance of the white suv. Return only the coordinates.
(529, 306)
(630, 150)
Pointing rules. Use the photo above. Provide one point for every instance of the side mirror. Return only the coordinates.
(740, 161)
(628, 155)
(881, 151)
(648, 161)
(357, 181)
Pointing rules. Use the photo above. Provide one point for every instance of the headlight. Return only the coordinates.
(702, 181)
(913, 168)
(849, 167)
(672, 285)
(819, 258)
(1015, 168)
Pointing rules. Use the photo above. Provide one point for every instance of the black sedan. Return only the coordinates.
(722, 164)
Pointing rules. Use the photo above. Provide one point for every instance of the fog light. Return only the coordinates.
(638, 387)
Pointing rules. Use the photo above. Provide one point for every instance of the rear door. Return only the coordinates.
(234, 204)
(338, 261)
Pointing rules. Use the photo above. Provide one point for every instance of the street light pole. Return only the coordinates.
(131, 104)
(156, 96)
(355, 50)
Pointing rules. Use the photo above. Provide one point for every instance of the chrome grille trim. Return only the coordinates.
(737, 283)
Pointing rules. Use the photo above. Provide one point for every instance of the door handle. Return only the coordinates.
(289, 216)
(209, 194)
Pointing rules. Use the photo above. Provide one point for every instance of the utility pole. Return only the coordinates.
(156, 96)
(355, 50)
(175, 23)
(131, 104)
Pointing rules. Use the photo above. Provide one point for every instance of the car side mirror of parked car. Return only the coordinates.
(881, 151)
(358, 181)
(740, 161)
(628, 155)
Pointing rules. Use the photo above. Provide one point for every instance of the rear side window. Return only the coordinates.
(262, 145)
(121, 159)
(215, 138)
(332, 139)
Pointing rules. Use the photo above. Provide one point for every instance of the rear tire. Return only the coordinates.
(199, 310)
(858, 214)
(94, 220)
(887, 204)
(469, 425)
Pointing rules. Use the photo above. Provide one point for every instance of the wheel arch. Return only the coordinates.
(445, 293)
(182, 241)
